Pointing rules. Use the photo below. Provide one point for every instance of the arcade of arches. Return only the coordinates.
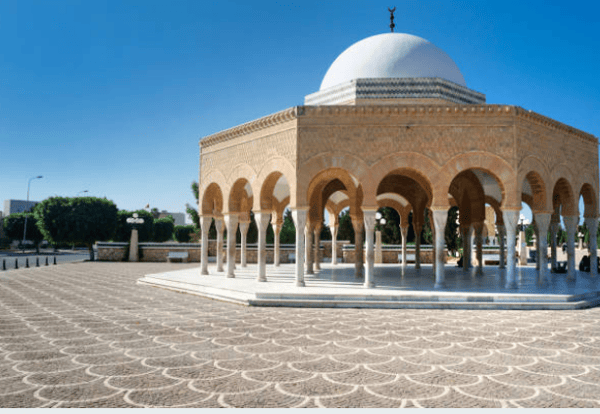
(418, 157)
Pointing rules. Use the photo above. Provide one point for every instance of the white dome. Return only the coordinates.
(392, 55)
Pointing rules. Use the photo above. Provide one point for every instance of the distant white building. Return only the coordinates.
(179, 218)
(18, 206)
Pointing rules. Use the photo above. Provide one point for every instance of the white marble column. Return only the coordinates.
(592, 224)
(478, 230)
(511, 219)
(369, 219)
(439, 220)
(417, 227)
(334, 232)
(231, 221)
(317, 251)
(308, 235)
(262, 222)
(244, 225)
(276, 248)
(536, 230)
(404, 233)
(554, 226)
(299, 217)
(501, 242)
(543, 222)
(571, 227)
(522, 247)
(205, 226)
(220, 228)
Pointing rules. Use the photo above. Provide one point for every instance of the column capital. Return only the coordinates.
(369, 219)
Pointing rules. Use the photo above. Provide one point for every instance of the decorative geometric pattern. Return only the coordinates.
(396, 88)
(86, 335)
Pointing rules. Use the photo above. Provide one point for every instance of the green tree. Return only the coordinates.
(191, 210)
(123, 231)
(163, 229)
(14, 225)
(77, 220)
(427, 232)
(183, 234)
(288, 230)
(452, 232)
(345, 228)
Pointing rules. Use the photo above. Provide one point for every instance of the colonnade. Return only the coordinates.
(364, 229)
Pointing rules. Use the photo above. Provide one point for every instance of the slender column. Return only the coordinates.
(472, 252)
(317, 252)
(404, 232)
(434, 247)
(554, 226)
(134, 254)
(262, 221)
(334, 232)
(220, 228)
(439, 220)
(522, 247)
(464, 232)
(308, 235)
(543, 222)
(205, 225)
(417, 228)
(511, 218)
(369, 218)
(592, 224)
(244, 225)
(231, 221)
(478, 227)
(571, 225)
(536, 231)
(358, 247)
(276, 249)
(299, 217)
(501, 241)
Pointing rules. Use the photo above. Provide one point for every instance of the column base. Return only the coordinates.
(369, 285)
(300, 284)
(261, 279)
(204, 272)
(439, 286)
(230, 276)
(479, 271)
(511, 285)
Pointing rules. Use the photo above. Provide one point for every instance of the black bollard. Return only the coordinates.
(16, 263)
(37, 261)
(54, 260)
(3, 264)
(27, 262)
(46, 260)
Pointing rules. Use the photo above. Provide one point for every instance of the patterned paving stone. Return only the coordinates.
(404, 388)
(83, 392)
(493, 390)
(76, 376)
(545, 399)
(456, 399)
(359, 399)
(177, 395)
(444, 377)
(360, 376)
(269, 397)
(280, 374)
(315, 387)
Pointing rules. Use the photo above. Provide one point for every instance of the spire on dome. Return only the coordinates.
(392, 25)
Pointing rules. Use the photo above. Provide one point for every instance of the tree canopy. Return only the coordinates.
(14, 225)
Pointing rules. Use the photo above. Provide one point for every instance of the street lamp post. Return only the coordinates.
(134, 221)
(27, 205)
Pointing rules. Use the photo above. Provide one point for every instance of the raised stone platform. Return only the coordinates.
(336, 286)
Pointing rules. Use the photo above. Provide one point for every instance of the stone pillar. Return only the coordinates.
(501, 241)
(404, 232)
(439, 220)
(369, 218)
(378, 253)
(244, 225)
(358, 247)
(299, 217)
(522, 247)
(592, 224)
(571, 227)
(317, 252)
(220, 228)
(276, 248)
(464, 232)
(478, 228)
(308, 235)
(543, 222)
(231, 221)
(554, 226)
(262, 222)
(334, 232)
(417, 227)
(536, 230)
(511, 219)
(205, 226)
(134, 252)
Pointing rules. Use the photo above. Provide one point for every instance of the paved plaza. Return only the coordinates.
(87, 335)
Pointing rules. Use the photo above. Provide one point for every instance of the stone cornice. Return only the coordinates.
(545, 121)
(249, 127)
(391, 110)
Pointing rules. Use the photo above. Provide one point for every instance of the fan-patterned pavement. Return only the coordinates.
(86, 335)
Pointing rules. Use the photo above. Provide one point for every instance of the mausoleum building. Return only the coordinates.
(394, 124)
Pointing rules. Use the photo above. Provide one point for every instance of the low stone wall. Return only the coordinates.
(111, 251)
(390, 255)
(158, 252)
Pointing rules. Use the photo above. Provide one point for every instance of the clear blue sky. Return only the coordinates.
(113, 97)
